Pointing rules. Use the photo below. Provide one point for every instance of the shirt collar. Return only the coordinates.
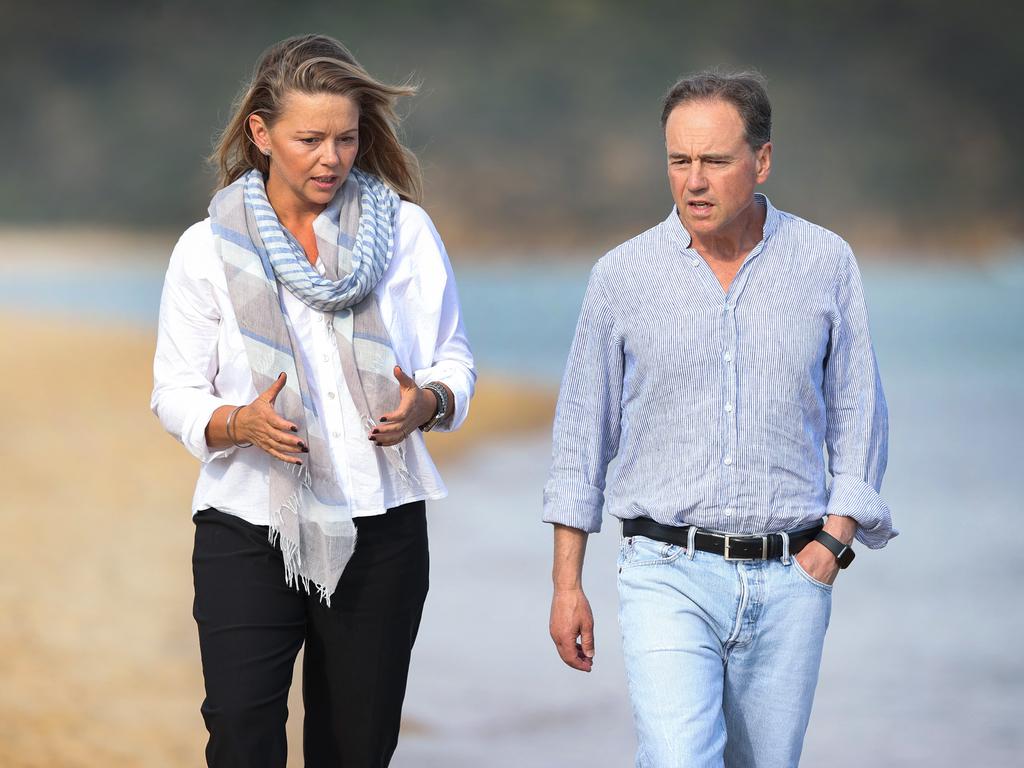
(674, 225)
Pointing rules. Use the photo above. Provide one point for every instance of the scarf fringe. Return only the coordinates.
(289, 548)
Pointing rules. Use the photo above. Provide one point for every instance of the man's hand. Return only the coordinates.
(416, 407)
(816, 559)
(572, 622)
(572, 628)
(818, 563)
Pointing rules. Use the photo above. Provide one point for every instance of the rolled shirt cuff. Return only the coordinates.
(460, 381)
(578, 508)
(194, 438)
(852, 497)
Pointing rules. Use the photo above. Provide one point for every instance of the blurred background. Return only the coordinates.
(896, 124)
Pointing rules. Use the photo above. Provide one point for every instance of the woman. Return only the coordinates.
(309, 333)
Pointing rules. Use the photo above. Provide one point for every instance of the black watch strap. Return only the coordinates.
(844, 554)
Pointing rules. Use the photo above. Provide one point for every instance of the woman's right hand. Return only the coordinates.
(258, 423)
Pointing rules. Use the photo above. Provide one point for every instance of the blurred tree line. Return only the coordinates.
(537, 122)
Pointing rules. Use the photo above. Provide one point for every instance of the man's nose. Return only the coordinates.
(696, 180)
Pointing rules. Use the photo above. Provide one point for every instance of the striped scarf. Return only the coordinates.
(355, 240)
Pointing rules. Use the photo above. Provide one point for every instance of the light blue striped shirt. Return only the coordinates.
(717, 406)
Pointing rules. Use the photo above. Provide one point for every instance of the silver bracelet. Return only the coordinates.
(443, 405)
(232, 438)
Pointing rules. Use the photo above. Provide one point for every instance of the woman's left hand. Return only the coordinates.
(415, 409)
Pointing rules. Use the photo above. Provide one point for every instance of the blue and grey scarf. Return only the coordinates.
(355, 239)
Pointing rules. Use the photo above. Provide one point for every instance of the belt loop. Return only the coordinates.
(785, 547)
(691, 535)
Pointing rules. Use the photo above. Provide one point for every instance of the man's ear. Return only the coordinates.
(764, 162)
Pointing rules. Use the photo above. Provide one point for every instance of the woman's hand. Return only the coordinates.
(258, 423)
(415, 409)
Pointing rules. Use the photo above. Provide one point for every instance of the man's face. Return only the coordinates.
(711, 168)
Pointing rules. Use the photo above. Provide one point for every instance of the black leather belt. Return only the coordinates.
(767, 547)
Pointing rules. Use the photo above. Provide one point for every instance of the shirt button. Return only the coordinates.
(336, 434)
(330, 395)
(728, 357)
(728, 407)
(694, 262)
(327, 358)
(728, 511)
(728, 460)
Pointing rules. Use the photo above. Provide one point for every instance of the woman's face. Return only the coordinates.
(313, 146)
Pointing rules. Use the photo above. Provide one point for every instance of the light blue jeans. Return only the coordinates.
(721, 656)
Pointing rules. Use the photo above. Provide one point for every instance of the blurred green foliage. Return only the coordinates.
(537, 122)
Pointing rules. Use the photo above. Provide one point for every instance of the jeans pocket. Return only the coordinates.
(640, 550)
(807, 577)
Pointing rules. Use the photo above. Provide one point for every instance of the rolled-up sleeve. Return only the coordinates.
(587, 417)
(857, 427)
(185, 362)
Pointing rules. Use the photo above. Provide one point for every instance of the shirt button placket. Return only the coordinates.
(728, 460)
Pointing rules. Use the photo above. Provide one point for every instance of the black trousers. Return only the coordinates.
(356, 663)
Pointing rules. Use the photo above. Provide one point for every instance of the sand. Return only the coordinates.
(100, 660)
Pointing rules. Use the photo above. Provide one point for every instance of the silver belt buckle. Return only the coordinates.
(728, 556)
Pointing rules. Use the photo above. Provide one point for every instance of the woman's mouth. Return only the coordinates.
(325, 182)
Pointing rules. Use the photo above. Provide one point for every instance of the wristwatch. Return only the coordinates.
(444, 407)
(844, 554)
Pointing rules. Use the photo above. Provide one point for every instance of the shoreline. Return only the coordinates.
(75, 245)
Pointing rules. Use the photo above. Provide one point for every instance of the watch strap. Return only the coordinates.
(843, 553)
(443, 405)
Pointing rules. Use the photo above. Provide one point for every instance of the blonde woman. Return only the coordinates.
(309, 334)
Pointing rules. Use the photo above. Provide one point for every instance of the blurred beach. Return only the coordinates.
(101, 663)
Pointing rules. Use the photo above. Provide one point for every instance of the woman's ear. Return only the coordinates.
(259, 133)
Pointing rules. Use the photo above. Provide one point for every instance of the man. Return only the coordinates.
(715, 355)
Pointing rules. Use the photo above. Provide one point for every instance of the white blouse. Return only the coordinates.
(201, 365)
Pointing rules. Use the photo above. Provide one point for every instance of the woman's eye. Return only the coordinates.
(309, 141)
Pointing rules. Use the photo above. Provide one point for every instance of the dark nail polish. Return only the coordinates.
(303, 448)
(383, 419)
(295, 429)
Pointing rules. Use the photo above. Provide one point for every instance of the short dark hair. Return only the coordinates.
(744, 90)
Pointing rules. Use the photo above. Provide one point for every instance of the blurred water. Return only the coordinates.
(961, 320)
(922, 664)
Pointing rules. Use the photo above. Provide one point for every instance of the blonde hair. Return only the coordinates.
(315, 64)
